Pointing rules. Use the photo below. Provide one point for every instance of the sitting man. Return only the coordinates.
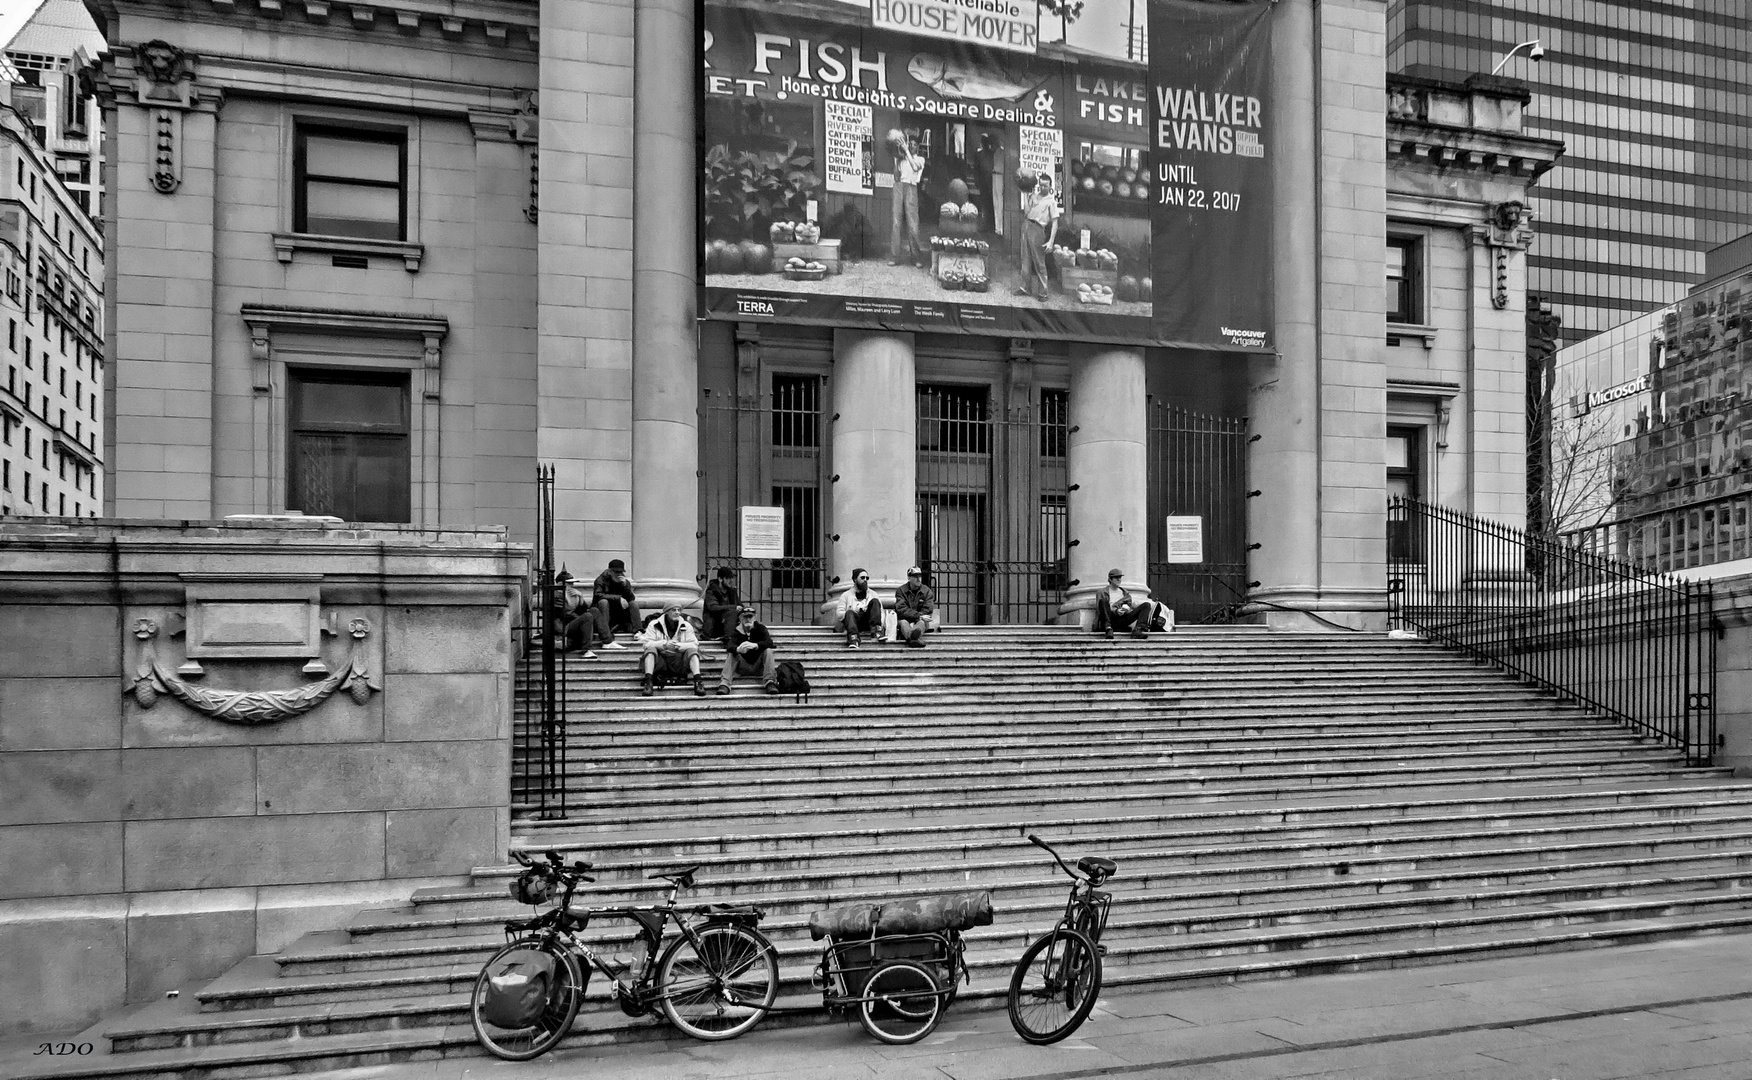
(721, 604)
(614, 602)
(751, 652)
(860, 610)
(913, 606)
(672, 651)
(574, 623)
(1115, 607)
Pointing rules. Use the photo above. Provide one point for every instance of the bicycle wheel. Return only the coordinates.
(1054, 986)
(902, 1002)
(536, 1039)
(724, 987)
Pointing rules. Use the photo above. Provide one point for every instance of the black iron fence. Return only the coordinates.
(767, 450)
(1701, 534)
(1628, 643)
(1198, 469)
(538, 760)
(991, 528)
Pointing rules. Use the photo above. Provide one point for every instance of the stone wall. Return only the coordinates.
(148, 844)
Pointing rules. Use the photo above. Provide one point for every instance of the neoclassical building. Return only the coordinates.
(383, 260)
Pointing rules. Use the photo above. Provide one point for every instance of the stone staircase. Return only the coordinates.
(1279, 804)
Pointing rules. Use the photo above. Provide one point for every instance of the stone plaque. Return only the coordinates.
(253, 619)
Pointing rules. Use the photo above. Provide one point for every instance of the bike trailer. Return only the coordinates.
(518, 988)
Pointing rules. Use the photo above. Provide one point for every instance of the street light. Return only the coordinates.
(1535, 53)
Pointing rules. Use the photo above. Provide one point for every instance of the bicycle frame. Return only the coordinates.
(561, 926)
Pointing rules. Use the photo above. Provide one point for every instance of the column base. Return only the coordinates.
(657, 593)
(1294, 607)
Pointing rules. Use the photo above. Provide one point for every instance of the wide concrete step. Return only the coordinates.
(903, 766)
(603, 803)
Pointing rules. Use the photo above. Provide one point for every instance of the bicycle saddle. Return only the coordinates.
(1097, 868)
(683, 878)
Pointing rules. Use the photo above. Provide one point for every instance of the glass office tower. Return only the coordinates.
(1654, 101)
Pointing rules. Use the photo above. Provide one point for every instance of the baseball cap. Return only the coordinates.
(1116, 572)
(745, 609)
(616, 564)
(913, 571)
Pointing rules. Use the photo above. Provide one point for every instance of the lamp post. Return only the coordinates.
(1535, 53)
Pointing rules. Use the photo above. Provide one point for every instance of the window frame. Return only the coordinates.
(1413, 283)
(405, 429)
(398, 136)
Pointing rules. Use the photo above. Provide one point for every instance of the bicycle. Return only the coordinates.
(1055, 983)
(715, 981)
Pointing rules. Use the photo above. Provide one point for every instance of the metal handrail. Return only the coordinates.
(1618, 640)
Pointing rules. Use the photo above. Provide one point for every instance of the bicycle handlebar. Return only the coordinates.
(1039, 843)
(556, 862)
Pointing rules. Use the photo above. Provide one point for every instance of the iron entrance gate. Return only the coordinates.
(766, 450)
(1198, 466)
(991, 504)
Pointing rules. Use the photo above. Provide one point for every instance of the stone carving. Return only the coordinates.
(248, 707)
(164, 148)
(163, 64)
(1404, 104)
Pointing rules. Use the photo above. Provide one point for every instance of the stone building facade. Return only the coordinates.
(512, 281)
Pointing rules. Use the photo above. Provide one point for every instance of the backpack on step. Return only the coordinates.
(791, 679)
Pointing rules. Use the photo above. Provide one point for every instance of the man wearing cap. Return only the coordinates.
(721, 604)
(672, 651)
(613, 600)
(860, 610)
(1116, 608)
(574, 623)
(750, 652)
(913, 604)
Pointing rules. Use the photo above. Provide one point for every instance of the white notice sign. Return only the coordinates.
(1040, 150)
(763, 532)
(849, 135)
(1185, 538)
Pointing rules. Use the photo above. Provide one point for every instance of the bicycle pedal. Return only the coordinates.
(1100, 950)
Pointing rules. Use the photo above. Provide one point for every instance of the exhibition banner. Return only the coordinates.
(1006, 167)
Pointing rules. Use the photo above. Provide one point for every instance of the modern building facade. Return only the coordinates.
(1653, 430)
(383, 262)
(1649, 98)
(51, 411)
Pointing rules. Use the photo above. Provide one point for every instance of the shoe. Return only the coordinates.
(914, 643)
(917, 635)
(1108, 633)
(649, 687)
(699, 686)
(857, 640)
(723, 691)
(1140, 634)
(614, 645)
(588, 655)
(771, 688)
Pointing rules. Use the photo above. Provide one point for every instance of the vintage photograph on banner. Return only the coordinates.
(1007, 167)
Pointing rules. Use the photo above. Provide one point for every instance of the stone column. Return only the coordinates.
(1106, 466)
(875, 449)
(665, 346)
(1284, 465)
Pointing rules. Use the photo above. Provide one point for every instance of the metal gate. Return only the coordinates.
(991, 504)
(538, 761)
(766, 449)
(1198, 467)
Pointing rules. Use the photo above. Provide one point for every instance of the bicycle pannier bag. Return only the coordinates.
(518, 988)
(791, 678)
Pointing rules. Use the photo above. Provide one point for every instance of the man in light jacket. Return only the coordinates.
(672, 651)
(914, 604)
(860, 610)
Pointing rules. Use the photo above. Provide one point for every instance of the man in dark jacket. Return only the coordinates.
(751, 652)
(1117, 609)
(721, 601)
(914, 604)
(615, 604)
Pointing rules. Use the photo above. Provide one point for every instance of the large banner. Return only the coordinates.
(1007, 167)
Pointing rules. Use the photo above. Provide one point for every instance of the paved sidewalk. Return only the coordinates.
(1667, 1010)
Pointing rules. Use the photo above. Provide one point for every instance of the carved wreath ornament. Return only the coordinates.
(249, 707)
